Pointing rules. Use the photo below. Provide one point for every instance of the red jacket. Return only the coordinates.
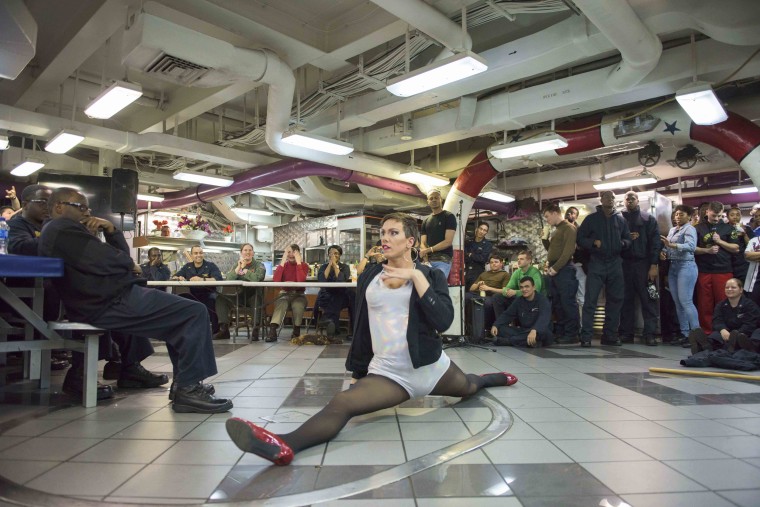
(291, 272)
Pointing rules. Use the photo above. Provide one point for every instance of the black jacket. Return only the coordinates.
(23, 236)
(744, 318)
(612, 231)
(648, 245)
(429, 315)
(95, 273)
(208, 271)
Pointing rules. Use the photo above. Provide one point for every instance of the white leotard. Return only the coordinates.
(388, 311)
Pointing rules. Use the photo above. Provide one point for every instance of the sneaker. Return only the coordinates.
(195, 399)
(135, 376)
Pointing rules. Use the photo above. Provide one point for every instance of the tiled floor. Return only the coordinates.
(590, 427)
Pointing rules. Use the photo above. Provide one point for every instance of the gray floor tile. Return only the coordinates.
(719, 411)
(675, 448)
(738, 447)
(7, 441)
(750, 425)
(460, 481)
(551, 480)
(530, 415)
(531, 402)
(48, 449)
(742, 498)
(34, 428)
(201, 452)
(570, 501)
(636, 429)
(434, 431)
(663, 413)
(641, 477)
(22, 471)
(570, 430)
(720, 474)
(364, 453)
(703, 499)
(174, 481)
(258, 482)
(585, 402)
(82, 428)
(524, 451)
(700, 428)
(610, 413)
(98, 479)
(119, 412)
(167, 414)
(468, 502)
(600, 450)
(208, 431)
(157, 430)
(124, 451)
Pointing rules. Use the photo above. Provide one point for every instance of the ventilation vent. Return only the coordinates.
(176, 70)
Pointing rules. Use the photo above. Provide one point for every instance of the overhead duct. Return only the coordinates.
(18, 38)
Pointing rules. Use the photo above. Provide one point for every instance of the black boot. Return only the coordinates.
(223, 333)
(73, 384)
(195, 399)
(135, 376)
(272, 335)
(209, 388)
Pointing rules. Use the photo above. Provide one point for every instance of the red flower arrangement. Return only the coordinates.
(159, 224)
(227, 230)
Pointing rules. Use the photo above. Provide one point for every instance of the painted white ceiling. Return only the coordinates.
(549, 63)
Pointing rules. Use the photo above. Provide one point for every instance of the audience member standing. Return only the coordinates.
(743, 234)
(604, 235)
(639, 269)
(477, 253)
(563, 284)
(752, 280)
(680, 244)
(715, 245)
(579, 260)
(438, 231)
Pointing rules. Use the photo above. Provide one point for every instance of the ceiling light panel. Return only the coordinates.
(63, 141)
(113, 99)
(446, 71)
(530, 146)
(317, 143)
(206, 179)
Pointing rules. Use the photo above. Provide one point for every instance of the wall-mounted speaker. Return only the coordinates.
(123, 191)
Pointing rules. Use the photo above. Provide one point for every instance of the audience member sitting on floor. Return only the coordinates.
(734, 323)
(402, 306)
(291, 268)
(247, 270)
(491, 283)
(201, 270)
(533, 314)
(331, 301)
(99, 287)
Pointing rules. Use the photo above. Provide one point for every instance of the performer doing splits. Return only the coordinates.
(396, 352)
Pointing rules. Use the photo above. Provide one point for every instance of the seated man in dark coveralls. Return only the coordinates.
(124, 361)
(200, 270)
(99, 288)
(533, 312)
(332, 300)
(155, 269)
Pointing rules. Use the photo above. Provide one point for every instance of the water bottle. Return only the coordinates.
(3, 237)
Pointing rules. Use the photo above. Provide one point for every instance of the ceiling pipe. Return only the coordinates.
(430, 21)
(638, 46)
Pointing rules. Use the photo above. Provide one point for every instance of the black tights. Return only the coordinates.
(373, 393)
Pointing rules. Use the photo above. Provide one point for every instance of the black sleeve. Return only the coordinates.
(751, 317)
(321, 272)
(214, 272)
(509, 315)
(117, 240)
(435, 304)
(21, 242)
(83, 252)
(482, 256)
(451, 222)
(654, 241)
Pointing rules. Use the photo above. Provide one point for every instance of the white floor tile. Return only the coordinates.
(20, 471)
(371, 431)
(48, 449)
(416, 448)
(157, 430)
(434, 431)
(675, 448)
(524, 451)
(700, 428)
(636, 429)
(570, 430)
(703, 499)
(124, 451)
(738, 447)
(98, 479)
(201, 452)
(720, 473)
(364, 453)
(641, 477)
(600, 450)
(174, 481)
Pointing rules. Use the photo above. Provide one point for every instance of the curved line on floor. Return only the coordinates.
(501, 422)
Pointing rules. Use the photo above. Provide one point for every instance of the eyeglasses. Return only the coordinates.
(38, 201)
(81, 207)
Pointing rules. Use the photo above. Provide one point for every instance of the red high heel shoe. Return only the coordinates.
(511, 379)
(254, 439)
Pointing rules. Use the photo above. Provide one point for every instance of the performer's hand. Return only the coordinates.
(634, 235)
(93, 224)
(652, 275)
(400, 273)
(297, 255)
(11, 194)
(598, 243)
(494, 331)
(666, 242)
(196, 279)
(724, 334)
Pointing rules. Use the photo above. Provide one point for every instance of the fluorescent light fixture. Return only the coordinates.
(150, 197)
(261, 227)
(251, 211)
(4, 142)
(448, 70)
(318, 143)
(207, 179)
(113, 99)
(701, 104)
(530, 146)
(643, 178)
(747, 189)
(498, 196)
(419, 177)
(165, 214)
(63, 141)
(27, 167)
(279, 194)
